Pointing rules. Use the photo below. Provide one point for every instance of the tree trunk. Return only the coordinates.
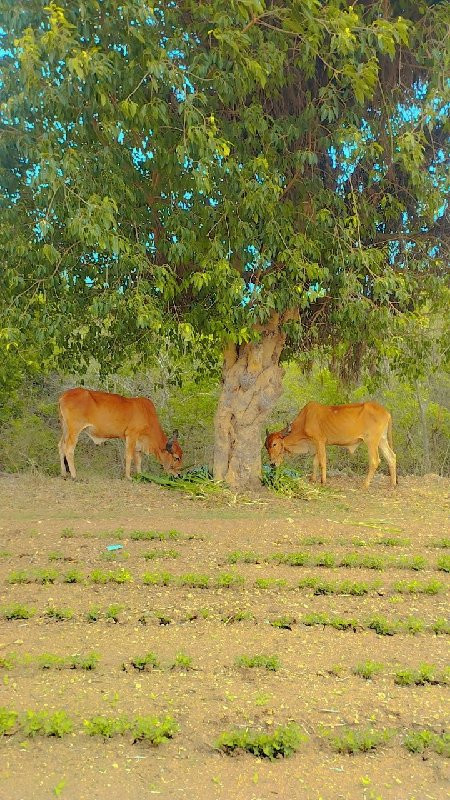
(251, 383)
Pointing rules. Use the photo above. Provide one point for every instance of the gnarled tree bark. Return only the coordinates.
(251, 383)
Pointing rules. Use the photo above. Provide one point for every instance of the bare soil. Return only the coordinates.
(43, 516)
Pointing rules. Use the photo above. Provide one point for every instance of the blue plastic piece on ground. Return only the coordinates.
(115, 547)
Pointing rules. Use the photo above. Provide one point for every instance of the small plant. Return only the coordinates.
(50, 661)
(441, 626)
(343, 623)
(94, 614)
(270, 583)
(229, 580)
(162, 618)
(112, 576)
(152, 555)
(382, 626)
(44, 723)
(182, 661)
(416, 587)
(88, 662)
(73, 576)
(418, 741)
(19, 576)
(45, 576)
(153, 730)
(8, 661)
(310, 541)
(323, 560)
(106, 726)
(56, 555)
(271, 663)
(113, 611)
(414, 625)
(350, 560)
(353, 740)
(58, 614)
(18, 611)
(67, 533)
(194, 580)
(444, 543)
(284, 623)
(243, 557)
(415, 563)
(238, 616)
(152, 535)
(292, 559)
(443, 563)
(368, 669)
(157, 578)
(8, 721)
(281, 742)
(408, 677)
(147, 662)
(315, 619)
(393, 541)
(372, 562)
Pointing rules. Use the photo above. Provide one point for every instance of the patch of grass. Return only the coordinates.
(145, 663)
(94, 614)
(372, 562)
(113, 611)
(441, 626)
(368, 669)
(161, 536)
(56, 555)
(152, 555)
(5, 554)
(343, 623)
(271, 663)
(382, 626)
(88, 662)
(284, 623)
(157, 578)
(393, 541)
(417, 677)
(413, 625)
(416, 587)
(67, 533)
(194, 580)
(310, 541)
(163, 618)
(229, 580)
(153, 729)
(182, 661)
(19, 576)
(355, 588)
(18, 611)
(111, 576)
(350, 560)
(323, 560)
(280, 742)
(243, 557)
(270, 583)
(443, 563)
(444, 543)
(73, 576)
(106, 726)
(45, 576)
(315, 619)
(353, 740)
(45, 723)
(419, 741)
(58, 614)
(8, 721)
(8, 661)
(415, 563)
(238, 616)
(50, 661)
(292, 559)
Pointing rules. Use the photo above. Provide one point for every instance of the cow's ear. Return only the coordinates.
(169, 445)
(174, 434)
(267, 432)
(286, 430)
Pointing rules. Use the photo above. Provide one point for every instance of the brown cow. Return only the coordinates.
(110, 416)
(317, 425)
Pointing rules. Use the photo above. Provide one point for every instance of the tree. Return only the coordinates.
(251, 179)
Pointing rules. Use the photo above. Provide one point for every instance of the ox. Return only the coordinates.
(110, 416)
(348, 425)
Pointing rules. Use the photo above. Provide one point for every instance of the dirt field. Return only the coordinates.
(54, 525)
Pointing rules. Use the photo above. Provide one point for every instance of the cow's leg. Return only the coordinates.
(138, 459)
(130, 447)
(322, 458)
(62, 456)
(391, 458)
(374, 461)
(69, 449)
(315, 468)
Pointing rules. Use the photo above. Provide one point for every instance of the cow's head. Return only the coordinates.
(275, 445)
(172, 455)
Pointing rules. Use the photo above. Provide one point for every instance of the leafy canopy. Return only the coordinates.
(189, 168)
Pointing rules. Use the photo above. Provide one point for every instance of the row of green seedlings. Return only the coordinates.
(349, 560)
(136, 536)
(282, 741)
(384, 541)
(424, 675)
(151, 729)
(285, 740)
(49, 661)
(378, 623)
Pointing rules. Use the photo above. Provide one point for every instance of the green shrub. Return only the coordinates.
(418, 741)
(113, 611)
(382, 626)
(353, 740)
(441, 626)
(243, 557)
(292, 559)
(73, 576)
(284, 623)
(182, 661)
(229, 580)
(106, 726)
(368, 669)
(152, 555)
(18, 611)
(45, 723)
(157, 578)
(194, 580)
(443, 563)
(280, 742)
(270, 583)
(58, 614)
(8, 721)
(153, 730)
(147, 662)
(271, 663)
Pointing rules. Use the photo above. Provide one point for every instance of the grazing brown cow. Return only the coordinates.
(318, 425)
(110, 416)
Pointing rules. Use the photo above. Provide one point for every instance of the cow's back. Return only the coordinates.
(343, 422)
(109, 414)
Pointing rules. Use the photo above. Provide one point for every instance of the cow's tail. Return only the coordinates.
(389, 432)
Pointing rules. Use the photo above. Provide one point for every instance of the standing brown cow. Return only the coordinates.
(347, 425)
(110, 416)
